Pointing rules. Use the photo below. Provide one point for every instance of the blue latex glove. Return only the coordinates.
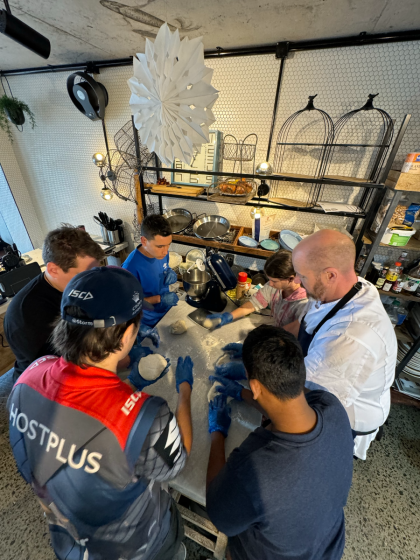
(230, 388)
(169, 277)
(169, 299)
(137, 353)
(234, 349)
(225, 318)
(184, 372)
(138, 381)
(231, 370)
(219, 415)
(149, 332)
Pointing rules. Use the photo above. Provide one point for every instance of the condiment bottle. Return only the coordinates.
(392, 275)
(381, 280)
(373, 274)
(242, 286)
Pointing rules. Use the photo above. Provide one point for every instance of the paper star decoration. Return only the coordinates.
(172, 96)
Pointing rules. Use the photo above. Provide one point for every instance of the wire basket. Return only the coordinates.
(240, 152)
(303, 146)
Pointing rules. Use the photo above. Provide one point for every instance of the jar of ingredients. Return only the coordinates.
(392, 275)
(412, 280)
(242, 286)
(397, 286)
(381, 279)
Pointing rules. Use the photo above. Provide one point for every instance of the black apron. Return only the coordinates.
(305, 338)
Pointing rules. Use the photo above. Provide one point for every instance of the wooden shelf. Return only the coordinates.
(405, 297)
(412, 245)
(229, 247)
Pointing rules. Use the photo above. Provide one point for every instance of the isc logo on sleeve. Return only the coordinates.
(80, 295)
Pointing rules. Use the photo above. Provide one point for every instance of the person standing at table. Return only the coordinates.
(283, 294)
(346, 336)
(95, 449)
(280, 495)
(30, 317)
(149, 263)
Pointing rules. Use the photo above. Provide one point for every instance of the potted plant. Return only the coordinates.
(13, 111)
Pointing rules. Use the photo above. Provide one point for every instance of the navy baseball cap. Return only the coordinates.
(108, 295)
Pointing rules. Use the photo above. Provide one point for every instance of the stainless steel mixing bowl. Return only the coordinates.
(195, 283)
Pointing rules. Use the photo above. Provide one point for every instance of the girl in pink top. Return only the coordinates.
(282, 294)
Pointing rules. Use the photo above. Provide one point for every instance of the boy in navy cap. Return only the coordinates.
(94, 450)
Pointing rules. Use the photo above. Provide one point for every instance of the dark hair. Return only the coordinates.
(274, 357)
(62, 246)
(76, 342)
(153, 225)
(280, 265)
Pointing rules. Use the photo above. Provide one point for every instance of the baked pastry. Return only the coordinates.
(227, 188)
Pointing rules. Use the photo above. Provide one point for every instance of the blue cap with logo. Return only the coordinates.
(108, 295)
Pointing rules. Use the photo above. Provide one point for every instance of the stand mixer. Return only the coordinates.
(206, 290)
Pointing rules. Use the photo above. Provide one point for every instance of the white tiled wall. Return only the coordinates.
(57, 181)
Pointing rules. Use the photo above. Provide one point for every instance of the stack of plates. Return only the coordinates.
(413, 366)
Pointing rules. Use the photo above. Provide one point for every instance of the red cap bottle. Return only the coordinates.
(242, 276)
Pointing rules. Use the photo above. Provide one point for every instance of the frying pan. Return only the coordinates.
(211, 227)
(179, 219)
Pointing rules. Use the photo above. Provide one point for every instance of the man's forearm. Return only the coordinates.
(247, 396)
(217, 459)
(153, 300)
(183, 415)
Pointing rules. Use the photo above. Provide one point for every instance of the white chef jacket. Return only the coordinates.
(353, 355)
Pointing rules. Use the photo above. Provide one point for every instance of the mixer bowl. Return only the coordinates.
(195, 283)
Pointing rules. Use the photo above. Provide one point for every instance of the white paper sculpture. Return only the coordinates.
(172, 96)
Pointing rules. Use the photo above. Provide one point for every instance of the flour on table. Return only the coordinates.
(151, 366)
(179, 327)
(214, 392)
(210, 341)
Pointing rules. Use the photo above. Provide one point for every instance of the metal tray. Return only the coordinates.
(211, 227)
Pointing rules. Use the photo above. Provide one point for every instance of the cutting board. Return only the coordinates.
(179, 191)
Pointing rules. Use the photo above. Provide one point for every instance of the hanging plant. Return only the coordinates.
(13, 111)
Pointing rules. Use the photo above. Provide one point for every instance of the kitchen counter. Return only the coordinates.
(204, 347)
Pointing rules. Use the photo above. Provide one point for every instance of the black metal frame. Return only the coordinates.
(333, 43)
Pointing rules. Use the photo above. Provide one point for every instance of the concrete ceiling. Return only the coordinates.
(81, 30)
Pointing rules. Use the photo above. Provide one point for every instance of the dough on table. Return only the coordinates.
(214, 392)
(151, 366)
(211, 323)
(179, 327)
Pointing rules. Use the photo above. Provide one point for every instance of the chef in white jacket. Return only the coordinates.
(346, 336)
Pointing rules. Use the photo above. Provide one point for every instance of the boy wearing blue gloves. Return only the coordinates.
(280, 495)
(149, 263)
(94, 449)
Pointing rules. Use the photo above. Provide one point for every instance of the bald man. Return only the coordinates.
(347, 338)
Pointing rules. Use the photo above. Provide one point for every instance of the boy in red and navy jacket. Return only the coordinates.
(94, 448)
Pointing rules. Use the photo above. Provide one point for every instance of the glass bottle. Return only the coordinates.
(381, 280)
(392, 275)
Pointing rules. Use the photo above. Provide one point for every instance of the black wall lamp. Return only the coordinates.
(15, 29)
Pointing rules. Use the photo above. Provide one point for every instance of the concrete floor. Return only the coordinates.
(382, 515)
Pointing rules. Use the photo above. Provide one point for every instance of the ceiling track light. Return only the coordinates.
(15, 29)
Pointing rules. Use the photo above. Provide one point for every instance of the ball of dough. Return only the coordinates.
(214, 392)
(179, 327)
(211, 323)
(151, 366)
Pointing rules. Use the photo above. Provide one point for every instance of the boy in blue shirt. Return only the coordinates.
(280, 495)
(149, 263)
